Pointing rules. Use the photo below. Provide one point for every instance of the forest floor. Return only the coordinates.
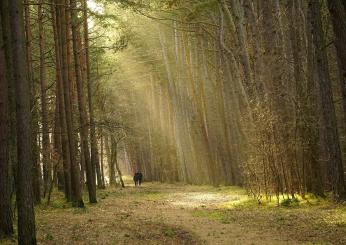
(182, 214)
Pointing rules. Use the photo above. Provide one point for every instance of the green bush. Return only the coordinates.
(290, 202)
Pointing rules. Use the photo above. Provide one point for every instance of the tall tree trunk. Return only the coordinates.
(57, 26)
(114, 160)
(6, 223)
(93, 141)
(24, 193)
(109, 153)
(338, 16)
(312, 173)
(244, 57)
(35, 114)
(82, 108)
(46, 161)
(328, 111)
(295, 38)
(102, 158)
(74, 168)
(57, 125)
(7, 38)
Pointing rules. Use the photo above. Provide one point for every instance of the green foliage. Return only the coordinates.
(60, 204)
(48, 237)
(210, 214)
(81, 210)
(169, 232)
(290, 202)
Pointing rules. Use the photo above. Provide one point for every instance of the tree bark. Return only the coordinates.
(57, 125)
(37, 175)
(93, 141)
(6, 223)
(24, 193)
(338, 16)
(60, 94)
(114, 160)
(312, 169)
(46, 161)
(74, 168)
(102, 157)
(244, 57)
(111, 168)
(335, 165)
(82, 109)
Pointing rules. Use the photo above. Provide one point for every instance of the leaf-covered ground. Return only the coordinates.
(179, 214)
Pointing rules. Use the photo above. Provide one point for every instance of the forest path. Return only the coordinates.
(195, 209)
(182, 214)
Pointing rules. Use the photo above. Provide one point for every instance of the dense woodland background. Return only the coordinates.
(221, 92)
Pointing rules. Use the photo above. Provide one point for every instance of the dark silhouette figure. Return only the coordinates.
(137, 178)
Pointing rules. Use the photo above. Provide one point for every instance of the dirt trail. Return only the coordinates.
(176, 205)
(204, 213)
(179, 214)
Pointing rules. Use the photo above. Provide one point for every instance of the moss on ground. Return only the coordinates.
(313, 220)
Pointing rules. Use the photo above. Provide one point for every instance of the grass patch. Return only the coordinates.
(231, 190)
(80, 210)
(212, 215)
(318, 243)
(60, 204)
(243, 202)
(150, 195)
(290, 202)
(155, 196)
(8, 241)
(169, 232)
(320, 224)
(247, 202)
(226, 190)
(336, 217)
(48, 237)
(308, 218)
